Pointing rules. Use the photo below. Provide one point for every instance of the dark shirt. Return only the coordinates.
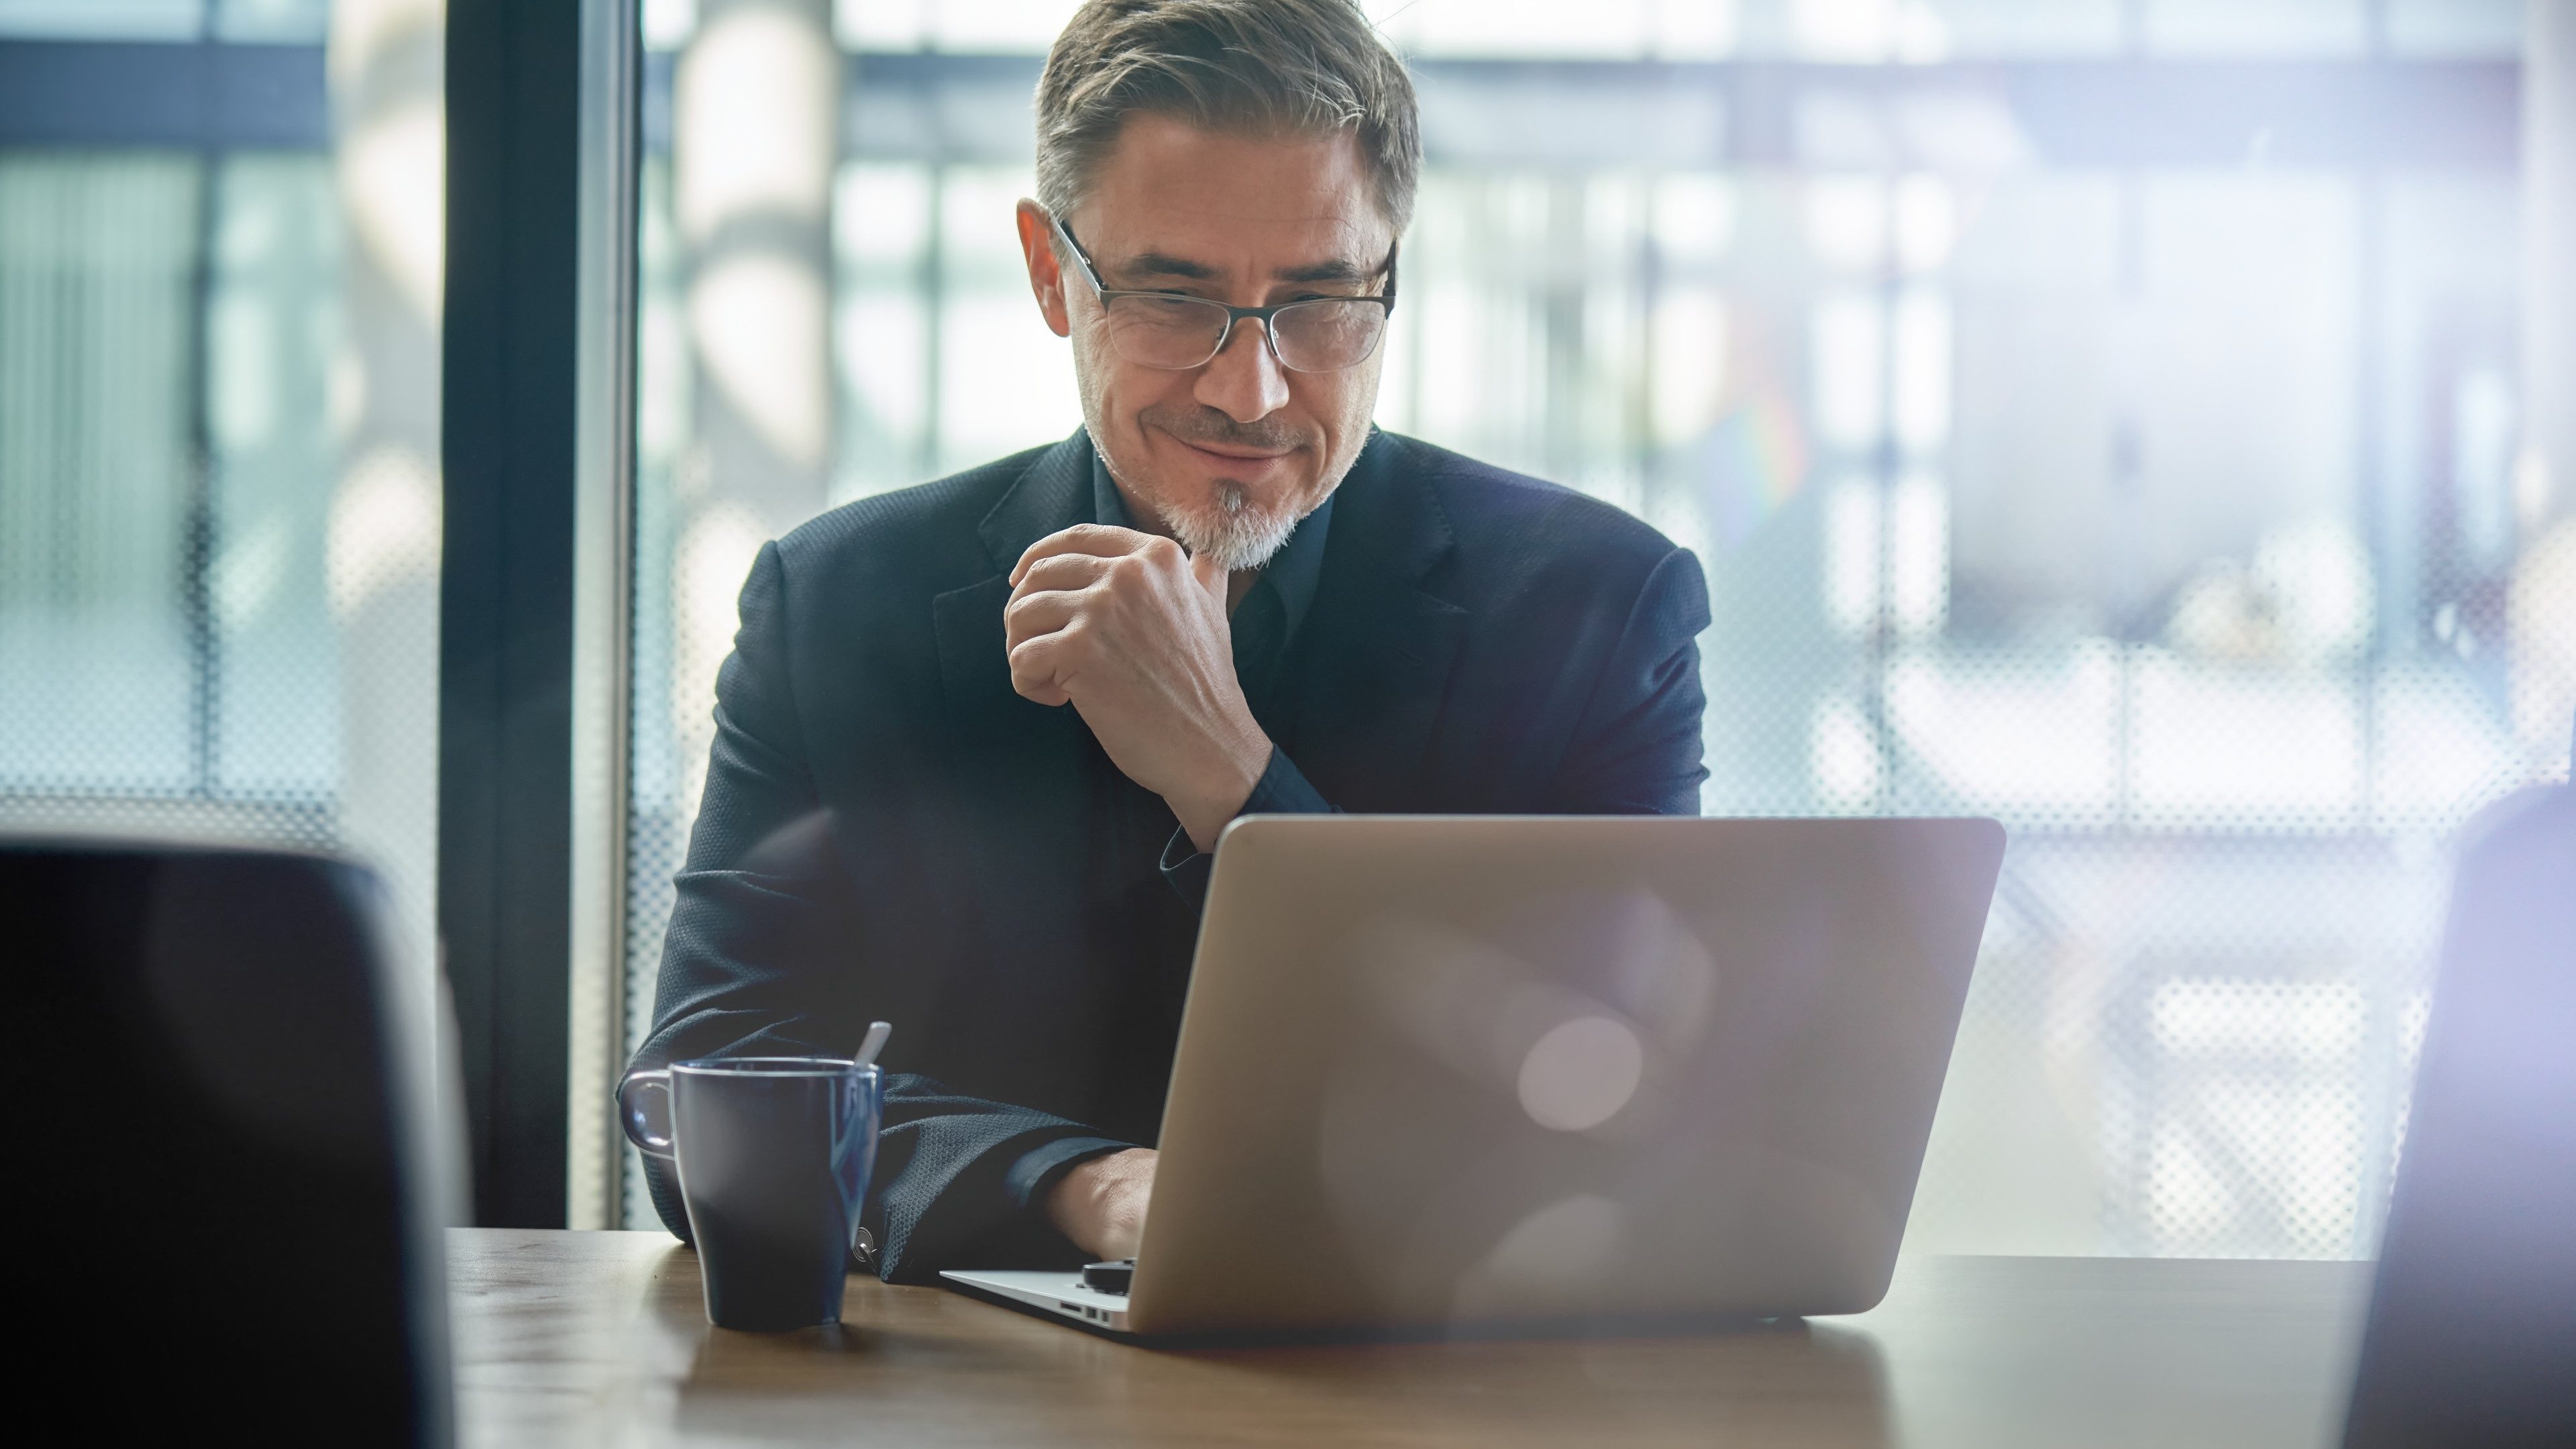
(890, 831)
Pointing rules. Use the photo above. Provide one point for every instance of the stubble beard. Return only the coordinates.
(1231, 528)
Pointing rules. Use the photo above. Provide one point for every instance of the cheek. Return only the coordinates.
(1093, 367)
(1342, 404)
(1126, 390)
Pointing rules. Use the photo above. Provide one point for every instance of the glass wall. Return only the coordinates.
(219, 424)
(2074, 430)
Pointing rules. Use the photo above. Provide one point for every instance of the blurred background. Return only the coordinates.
(2121, 417)
(220, 268)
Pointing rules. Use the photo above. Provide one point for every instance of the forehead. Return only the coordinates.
(1230, 199)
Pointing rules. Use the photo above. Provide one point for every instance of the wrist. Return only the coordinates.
(1072, 1203)
(1204, 811)
(1100, 1204)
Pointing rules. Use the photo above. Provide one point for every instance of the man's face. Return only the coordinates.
(1228, 455)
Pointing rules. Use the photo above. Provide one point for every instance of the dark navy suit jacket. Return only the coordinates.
(890, 832)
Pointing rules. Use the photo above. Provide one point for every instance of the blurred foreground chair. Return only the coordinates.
(2471, 1342)
(226, 1168)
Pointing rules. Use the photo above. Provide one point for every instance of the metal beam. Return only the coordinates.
(507, 624)
(209, 96)
(929, 106)
(1536, 114)
(603, 608)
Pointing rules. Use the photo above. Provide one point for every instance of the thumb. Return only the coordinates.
(1211, 574)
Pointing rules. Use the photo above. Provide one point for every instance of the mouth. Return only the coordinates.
(1252, 459)
(1247, 455)
(1239, 455)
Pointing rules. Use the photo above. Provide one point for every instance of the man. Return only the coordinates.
(977, 738)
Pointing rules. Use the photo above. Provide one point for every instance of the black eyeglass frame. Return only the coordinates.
(1233, 314)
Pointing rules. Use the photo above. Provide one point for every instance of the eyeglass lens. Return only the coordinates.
(1325, 335)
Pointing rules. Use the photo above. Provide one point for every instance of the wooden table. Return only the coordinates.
(599, 1338)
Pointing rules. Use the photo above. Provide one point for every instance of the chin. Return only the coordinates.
(1241, 532)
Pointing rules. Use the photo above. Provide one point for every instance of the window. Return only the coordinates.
(219, 490)
(2139, 470)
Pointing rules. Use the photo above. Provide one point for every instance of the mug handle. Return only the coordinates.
(639, 1120)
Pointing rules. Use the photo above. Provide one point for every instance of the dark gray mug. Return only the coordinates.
(773, 1156)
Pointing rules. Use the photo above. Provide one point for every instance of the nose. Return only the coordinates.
(1244, 380)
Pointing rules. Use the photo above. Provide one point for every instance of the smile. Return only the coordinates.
(1233, 457)
(1240, 454)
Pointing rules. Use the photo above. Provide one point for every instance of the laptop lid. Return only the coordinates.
(1446, 1070)
(2471, 1338)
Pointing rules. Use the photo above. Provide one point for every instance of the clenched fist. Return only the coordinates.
(1132, 633)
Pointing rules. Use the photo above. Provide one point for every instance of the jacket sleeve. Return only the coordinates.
(757, 913)
(1637, 747)
(1282, 790)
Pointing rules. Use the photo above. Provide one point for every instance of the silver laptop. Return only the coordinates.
(1447, 1073)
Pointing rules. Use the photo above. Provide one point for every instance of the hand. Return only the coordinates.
(1132, 632)
(1100, 1204)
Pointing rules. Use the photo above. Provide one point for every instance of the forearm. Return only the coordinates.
(1221, 789)
(960, 1177)
(955, 1175)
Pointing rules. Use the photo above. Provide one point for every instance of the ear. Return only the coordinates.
(1046, 274)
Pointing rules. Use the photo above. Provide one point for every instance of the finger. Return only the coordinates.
(1035, 613)
(1097, 539)
(1061, 571)
(1033, 664)
(1210, 573)
(1037, 669)
(1041, 692)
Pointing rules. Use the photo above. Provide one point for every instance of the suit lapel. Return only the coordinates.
(974, 672)
(1379, 646)
(1024, 768)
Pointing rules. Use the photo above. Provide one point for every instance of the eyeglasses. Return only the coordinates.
(1175, 333)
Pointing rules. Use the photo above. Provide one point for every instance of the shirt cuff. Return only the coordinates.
(1282, 790)
(1040, 1168)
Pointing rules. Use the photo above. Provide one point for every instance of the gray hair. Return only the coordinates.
(1262, 67)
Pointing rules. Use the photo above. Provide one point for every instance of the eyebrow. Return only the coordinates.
(1163, 264)
(1339, 269)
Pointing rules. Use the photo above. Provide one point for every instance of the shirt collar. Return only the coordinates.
(1293, 571)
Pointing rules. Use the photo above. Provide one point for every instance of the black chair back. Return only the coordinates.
(228, 1181)
(2471, 1340)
